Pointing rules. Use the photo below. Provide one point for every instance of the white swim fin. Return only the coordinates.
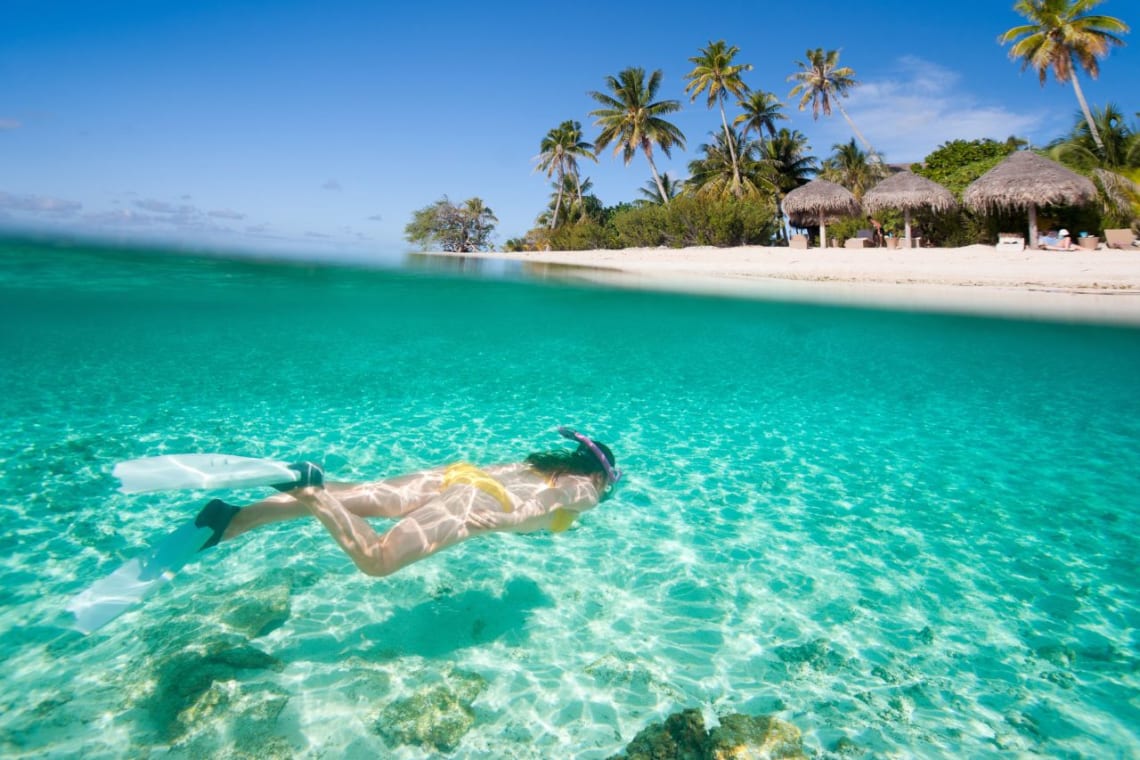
(137, 579)
(175, 471)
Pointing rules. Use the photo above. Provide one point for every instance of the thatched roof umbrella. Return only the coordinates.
(819, 200)
(1025, 180)
(908, 191)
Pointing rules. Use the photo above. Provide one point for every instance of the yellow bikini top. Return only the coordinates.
(563, 519)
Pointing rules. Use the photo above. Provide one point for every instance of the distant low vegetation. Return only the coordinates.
(736, 183)
(445, 226)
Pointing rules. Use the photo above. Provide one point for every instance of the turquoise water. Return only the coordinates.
(916, 534)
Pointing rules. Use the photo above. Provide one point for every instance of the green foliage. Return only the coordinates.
(560, 150)
(642, 227)
(821, 81)
(730, 167)
(1113, 165)
(957, 163)
(847, 227)
(631, 118)
(689, 221)
(963, 227)
(587, 235)
(452, 228)
(850, 167)
(686, 221)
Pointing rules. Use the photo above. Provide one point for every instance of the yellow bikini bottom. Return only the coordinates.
(465, 474)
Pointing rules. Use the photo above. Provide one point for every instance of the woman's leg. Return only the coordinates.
(439, 523)
(390, 498)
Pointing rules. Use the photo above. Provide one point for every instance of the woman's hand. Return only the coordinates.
(487, 520)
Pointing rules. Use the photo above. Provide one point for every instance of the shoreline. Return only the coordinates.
(1101, 286)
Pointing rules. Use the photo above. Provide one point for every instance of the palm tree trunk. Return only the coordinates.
(558, 202)
(732, 152)
(1088, 114)
(781, 231)
(874, 156)
(581, 203)
(656, 177)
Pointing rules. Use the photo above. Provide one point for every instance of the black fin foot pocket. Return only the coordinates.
(311, 475)
(216, 516)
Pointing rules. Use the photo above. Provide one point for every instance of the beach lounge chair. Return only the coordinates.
(1010, 241)
(1119, 238)
(798, 241)
(858, 242)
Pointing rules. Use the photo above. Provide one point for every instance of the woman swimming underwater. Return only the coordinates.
(436, 508)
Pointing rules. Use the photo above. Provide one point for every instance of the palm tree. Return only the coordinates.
(787, 152)
(562, 199)
(849, 167)
(577, 148)
(1060, 37)
(479, 223)
(1119, 146)
(560, 150)
(716, 74)
(786, 156)
(713, 175)
(822, 82)
(652, 195)
(1114, 168)
(761, 111)
(632, 119)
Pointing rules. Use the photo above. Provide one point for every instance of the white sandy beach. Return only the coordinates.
(1083, 285)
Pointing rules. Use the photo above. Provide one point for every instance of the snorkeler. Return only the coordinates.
(436, 508)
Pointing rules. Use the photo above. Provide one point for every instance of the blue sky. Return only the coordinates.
(321, 127)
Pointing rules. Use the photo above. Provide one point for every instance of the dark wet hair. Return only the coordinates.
(580, 461)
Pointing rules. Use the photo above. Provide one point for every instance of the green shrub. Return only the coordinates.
(581, 236)
(689, 221)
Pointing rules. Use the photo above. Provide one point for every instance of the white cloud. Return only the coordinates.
(907, 116)
(6, 124)
(225, 213)
(376, 218)
(331, 184)
(120, 218)
(162, 207)
(36, 204)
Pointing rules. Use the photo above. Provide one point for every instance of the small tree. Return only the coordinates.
(458, 229)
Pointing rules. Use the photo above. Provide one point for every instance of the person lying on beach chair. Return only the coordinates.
(436, 508)
(1063, 243)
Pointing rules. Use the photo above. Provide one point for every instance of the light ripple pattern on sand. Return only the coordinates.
(913, 532)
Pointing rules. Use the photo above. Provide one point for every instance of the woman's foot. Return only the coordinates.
(310, 475)
(216, 515)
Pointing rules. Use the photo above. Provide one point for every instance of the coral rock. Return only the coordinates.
(436, 717)
(738, 737)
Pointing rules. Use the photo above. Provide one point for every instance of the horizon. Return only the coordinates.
(287, 127)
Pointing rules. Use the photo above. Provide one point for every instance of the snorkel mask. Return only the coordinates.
(612, 475)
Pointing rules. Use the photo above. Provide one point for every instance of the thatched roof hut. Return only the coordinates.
(818, 201)
(1026, 180)
(908, 191)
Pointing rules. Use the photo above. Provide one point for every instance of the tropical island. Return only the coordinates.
(758, 183)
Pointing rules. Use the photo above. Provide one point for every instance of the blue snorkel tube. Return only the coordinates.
(612, 475)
